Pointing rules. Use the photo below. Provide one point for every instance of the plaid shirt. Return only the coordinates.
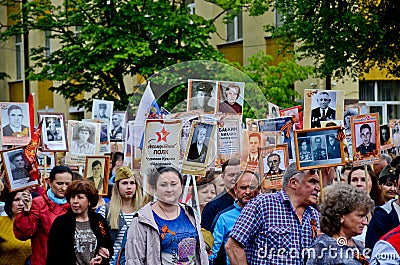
(271, 232)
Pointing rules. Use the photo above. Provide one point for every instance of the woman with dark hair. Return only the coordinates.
(358, 178)
(344, 213)
(38, 214)
(13, 251)
(80, 236)
(165, 232)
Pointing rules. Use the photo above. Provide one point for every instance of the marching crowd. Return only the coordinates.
(350, 218)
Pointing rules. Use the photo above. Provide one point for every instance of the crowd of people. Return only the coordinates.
(350, 218)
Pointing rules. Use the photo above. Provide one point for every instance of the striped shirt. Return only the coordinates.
(118, 241)
(271, 232)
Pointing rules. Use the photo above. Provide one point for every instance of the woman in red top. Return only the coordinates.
(38, 215)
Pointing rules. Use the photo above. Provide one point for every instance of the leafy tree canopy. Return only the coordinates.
(344, 37)
(104, 41)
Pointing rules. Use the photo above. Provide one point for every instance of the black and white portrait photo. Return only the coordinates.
(199, 144)
(102, 109)
(15, 123)
(323, 108)
(202, 95)
(83, 141)
(54, 136)
(118, 121)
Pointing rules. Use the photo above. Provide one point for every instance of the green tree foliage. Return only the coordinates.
(102, 42)
(276, 81)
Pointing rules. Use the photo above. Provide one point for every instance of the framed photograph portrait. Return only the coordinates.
(385, 139)
(54, 136)
(15, 165)
(319, 147)
(199, 148)
(202, 95)
(104, 136)
(365, 138)
(84, 140)
(395, 132)
(250, 157)
(273, 111)
(322, 105)
(102, 109)
(118, 126)
(15, 126)
(283, 125)
(273, 163)
(295, 111)
(252, 125)
(269, 139)
(97, 170)
(230, 95)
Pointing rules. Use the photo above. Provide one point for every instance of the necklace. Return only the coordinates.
(163, 210)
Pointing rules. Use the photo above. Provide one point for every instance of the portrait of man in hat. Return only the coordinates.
(201, 96)
(80, 143)
(102, 112)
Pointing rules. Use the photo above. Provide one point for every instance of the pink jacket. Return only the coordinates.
(35, 225)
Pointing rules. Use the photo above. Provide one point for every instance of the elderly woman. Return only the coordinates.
(344, 213)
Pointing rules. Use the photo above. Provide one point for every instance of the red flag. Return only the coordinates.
(31, 113)
(30, 153)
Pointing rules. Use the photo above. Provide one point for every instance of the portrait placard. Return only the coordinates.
(228, 139)
(285, 126)
(83, 140)
(395, 132)
(46, 162)
(104, 134)
(385, 139)
(197, 155)
(295, 112)
(15, 125)
(161, 144)
(97, 170)
(365, 139)
(117, 128)
(133, 153)
(15, 165)
(273, 111)
(322, 105)
(270, 139)
(273, 163)
(249, 156)
(319, 147)
(252, 125)
(230, 97)
(202, 95)
(102, 109)
(54, 137)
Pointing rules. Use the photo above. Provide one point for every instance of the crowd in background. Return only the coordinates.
(227, 219)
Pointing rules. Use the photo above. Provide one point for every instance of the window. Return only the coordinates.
(47, 44)
(19, 57)
(234, 28)
(381, 96)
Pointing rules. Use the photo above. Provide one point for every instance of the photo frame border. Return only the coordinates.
(106, 171)
(323, 132)
(41, 116)
(8, 175)
(284, 148)
(125, 123)
(189, 167)
(215, 95)
(368, 118)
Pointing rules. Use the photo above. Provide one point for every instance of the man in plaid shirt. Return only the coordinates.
(276, 228)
